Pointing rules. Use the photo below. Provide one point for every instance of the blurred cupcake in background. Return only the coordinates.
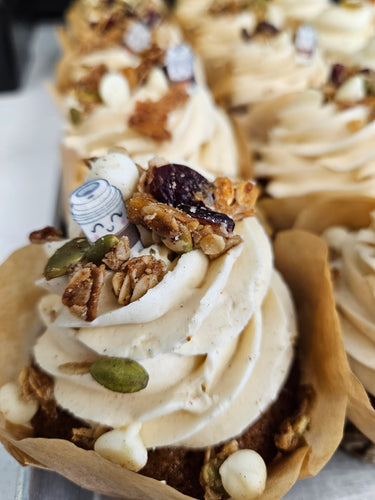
(250, 55)
(344, 28)
(319, 141)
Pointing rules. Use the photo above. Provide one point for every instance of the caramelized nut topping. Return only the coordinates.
(83, 292)
(177, 230)
(48, 233)
(150, 118)
(139, 275)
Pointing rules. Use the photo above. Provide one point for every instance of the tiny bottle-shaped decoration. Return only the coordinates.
(306, 43)
(179, 62)
(99, 209)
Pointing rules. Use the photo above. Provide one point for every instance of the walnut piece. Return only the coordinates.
(115, 259)
(139, 275)
(48, 233)
(177, 230)
(83, 292)
(38, 386)
(150, 117)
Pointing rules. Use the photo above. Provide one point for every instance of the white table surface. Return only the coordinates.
(30, 128)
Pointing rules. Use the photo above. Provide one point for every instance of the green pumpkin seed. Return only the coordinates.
(69, 254)
(75, 116)
(119, 374)
(103, 245)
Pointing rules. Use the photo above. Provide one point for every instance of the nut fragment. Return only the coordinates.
(138, 275)
(118, 255)
(48, 233)
(150, 118)
(83, 291)
(292, 430)
(85, 437)
(210, 478)
(236, 199)
(75, 368)
(37, 386)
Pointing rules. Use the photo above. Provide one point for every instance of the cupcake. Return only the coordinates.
(162, 355)
(248, 54)
(344, 28)
(347, 226)
(318, 141)
(98, 24)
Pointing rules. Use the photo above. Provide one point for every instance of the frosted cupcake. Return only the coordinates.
(164, 347)
(248, 54)
(344, 29)
(98, 24)
(353, 268)
(319, 140)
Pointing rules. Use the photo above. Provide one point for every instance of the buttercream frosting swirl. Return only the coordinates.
(243, 68)
(354, 289)
(310, 145)
(343, 30)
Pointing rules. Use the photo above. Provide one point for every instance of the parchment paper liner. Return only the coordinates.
(315, 213)
(302, 259)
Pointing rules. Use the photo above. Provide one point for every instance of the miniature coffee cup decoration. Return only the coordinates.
(179, 62)
(99, 209)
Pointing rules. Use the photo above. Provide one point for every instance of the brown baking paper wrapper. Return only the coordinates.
(302, 259)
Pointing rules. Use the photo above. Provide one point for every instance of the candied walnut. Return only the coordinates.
(179, 231)
(48, 233)
(236, 199)
(85, 437)
(139, 275)
(292, 430)
(210, 478)
(38, 386)
(83, 292)
(118, 255)
(150, 118)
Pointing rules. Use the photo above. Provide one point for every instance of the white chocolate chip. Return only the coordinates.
(124, 447)
(114, 89)
(354, 89)
(244, 475)
(15, 409)
(118, 169)
(157, 82)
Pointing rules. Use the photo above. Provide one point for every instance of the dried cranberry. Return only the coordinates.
(338, 74)
(178, 184)
(207, 216)
(266, 29)
(151, 17)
